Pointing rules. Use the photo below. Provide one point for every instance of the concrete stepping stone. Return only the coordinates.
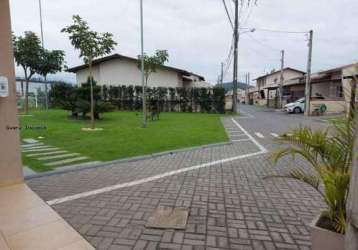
(52, 157)
(48, 153)
(40, 150)
(32, 145)
(64, 162)
(38, 147)
(30, 140)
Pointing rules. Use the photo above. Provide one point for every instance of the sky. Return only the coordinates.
(198, 35)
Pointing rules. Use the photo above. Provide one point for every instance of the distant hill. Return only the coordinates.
(229, 86)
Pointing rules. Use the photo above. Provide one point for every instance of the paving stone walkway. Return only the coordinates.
(231, 205)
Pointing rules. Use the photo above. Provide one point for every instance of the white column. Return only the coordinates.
(10, 156)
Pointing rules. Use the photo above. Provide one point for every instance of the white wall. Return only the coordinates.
(287, 74)
(274, 79)
(125, 72)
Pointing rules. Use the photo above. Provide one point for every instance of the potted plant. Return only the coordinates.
(329, 153)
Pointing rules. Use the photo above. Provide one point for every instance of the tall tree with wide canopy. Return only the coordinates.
(27, 53)
(91, 45)
(51, 62)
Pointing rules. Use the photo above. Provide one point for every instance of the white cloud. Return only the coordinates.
(197, 33)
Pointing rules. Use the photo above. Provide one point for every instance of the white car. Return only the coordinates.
(296, 107)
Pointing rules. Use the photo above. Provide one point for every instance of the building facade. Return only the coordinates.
(118, 70)
(267, 87)
(331, 88)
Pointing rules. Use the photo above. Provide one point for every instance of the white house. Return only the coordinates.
(118, 70)
(268, 85)
(330, 87)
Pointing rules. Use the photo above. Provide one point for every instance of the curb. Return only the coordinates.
(126, 160)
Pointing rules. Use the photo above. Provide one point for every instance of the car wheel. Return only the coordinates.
(297, 110)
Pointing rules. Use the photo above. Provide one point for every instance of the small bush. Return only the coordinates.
(77, 99)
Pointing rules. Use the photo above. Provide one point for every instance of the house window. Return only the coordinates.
(262, 94)
(339, 91)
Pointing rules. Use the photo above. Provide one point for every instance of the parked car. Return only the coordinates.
(296, 107)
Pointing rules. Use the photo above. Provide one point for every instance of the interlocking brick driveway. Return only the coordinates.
(231, 205)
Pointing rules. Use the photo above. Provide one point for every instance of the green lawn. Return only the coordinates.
(122, 136)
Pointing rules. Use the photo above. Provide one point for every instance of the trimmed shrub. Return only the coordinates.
(77, 99)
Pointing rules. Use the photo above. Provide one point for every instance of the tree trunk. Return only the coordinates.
(22, 88)
(145, 101)
(46, 94)
(26, 103)
(352, 207)
(93, 125)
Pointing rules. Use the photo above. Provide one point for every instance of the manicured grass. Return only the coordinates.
(122, 136)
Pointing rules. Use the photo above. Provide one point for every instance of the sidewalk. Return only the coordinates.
(230, 205)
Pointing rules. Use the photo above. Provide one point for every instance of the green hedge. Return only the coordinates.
(129, 98)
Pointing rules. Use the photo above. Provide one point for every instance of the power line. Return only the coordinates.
(263, 44)
(230, 50)
(262, 55)
(240, 13)
(228, 60)
(228, 65)
(248, 15)
(228, 14)
(281, 31)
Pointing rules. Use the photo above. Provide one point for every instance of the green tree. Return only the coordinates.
(50, 62)
(151, 64)
(27, 52)
(91, 45)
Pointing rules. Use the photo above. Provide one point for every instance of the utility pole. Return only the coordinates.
(41, 25)
(222, 74)
(236, 44)
(281, 76)
(308, 76)
(351, 239)
(247, 88)
(43, 47)
(144, 125)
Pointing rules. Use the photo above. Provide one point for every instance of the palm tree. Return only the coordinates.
(329, 153)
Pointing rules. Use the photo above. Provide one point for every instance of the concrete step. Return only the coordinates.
(31, 145)
(38, 147)
(47, 153)
(40, 150)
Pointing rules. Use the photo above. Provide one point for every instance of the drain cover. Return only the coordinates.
(168, 218)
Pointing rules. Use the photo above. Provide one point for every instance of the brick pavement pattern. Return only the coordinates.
(231, 205)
